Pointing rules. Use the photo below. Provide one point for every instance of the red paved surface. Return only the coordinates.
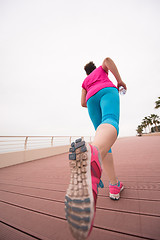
(32, 196)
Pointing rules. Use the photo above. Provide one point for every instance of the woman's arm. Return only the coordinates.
(83, 98)
(108, 64)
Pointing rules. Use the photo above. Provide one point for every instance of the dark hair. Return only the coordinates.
(89, 67)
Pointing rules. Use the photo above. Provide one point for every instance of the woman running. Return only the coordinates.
(101, 97)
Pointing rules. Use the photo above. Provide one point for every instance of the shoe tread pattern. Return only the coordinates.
(77, 200)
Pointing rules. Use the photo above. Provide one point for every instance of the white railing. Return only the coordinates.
(21, 143)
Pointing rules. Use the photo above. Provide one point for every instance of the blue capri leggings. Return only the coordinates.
(103, 107)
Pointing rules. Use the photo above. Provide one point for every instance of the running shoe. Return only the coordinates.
(81, 195)
(114, 190)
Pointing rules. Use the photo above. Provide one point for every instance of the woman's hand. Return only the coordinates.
(121, 83)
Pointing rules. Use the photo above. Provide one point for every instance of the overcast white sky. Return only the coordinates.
(44, 45)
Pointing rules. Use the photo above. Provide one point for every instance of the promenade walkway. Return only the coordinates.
(32, 196)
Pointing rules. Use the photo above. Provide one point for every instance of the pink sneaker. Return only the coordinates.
(81, 196)
(114, 190)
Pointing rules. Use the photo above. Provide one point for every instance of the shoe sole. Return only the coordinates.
(79, 201)
(115, 196)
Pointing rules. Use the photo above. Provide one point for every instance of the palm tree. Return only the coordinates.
(144, 124)
(148, 121)
(157, 103)
(139, 130)
(155, 120)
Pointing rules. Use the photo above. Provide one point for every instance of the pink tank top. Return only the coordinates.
(95, 81)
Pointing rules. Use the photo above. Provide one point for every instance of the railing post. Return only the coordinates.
(52, 142)
(25, 145)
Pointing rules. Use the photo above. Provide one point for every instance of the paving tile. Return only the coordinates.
(9, 233)
(37, 225)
